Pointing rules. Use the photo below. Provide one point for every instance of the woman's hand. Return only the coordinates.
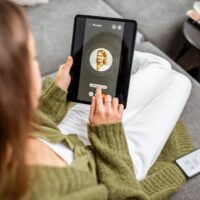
(105, 111)
(63, 77)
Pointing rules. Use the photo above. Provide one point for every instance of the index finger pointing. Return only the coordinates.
(98, 95)
(92, 108)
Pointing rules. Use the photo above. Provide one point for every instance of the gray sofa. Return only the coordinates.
(160, 21)
(52, 26)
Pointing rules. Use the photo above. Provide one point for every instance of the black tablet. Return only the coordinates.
(102, 49)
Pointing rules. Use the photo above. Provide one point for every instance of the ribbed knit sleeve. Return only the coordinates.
(53, 101)
(114, 165)
(115, 170)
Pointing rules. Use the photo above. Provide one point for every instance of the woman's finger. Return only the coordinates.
(115, 103)
(92, 108)
(121, 109)
(99, 100)
(108, 103)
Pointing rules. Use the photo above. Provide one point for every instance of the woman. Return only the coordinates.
(101, 60)
(102, 170)
(157, 96)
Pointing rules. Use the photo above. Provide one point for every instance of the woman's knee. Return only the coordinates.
(147, 60)
(182, 81)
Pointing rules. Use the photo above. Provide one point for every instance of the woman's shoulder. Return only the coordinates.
(104, 67)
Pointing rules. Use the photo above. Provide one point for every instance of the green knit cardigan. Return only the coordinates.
(104, 169)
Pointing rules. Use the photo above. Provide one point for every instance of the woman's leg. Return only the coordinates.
(152, 74)
(148, 132)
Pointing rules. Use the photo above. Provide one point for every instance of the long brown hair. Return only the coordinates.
(15, 98)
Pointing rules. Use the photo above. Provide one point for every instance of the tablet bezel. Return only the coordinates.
(126, 57)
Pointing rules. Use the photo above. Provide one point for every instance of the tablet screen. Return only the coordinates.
(102, 49)
(100, 57)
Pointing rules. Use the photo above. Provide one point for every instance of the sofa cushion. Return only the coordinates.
(160, 21)
(30, 2)
(191, 118)
(52, 26)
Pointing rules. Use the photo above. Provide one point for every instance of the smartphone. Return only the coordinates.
(190, 163)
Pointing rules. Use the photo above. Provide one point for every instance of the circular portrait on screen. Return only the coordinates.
(101, 59)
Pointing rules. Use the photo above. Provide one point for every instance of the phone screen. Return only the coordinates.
(190, 163)
(101, 57)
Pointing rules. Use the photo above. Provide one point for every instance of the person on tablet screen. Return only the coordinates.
(52, 149)
(101, 60)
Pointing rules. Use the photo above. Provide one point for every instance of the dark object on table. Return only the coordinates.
(191, 31)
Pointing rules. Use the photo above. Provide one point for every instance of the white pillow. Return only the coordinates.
(30, 2)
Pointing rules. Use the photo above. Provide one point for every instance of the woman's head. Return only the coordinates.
(101, 57)
(19, 88)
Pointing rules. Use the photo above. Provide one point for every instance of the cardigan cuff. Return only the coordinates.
(168, 178)
(54, 92)
(110, 135)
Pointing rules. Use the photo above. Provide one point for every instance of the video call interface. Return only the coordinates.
(100, 58)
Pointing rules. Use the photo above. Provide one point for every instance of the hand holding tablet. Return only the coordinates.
(63, 78)
(102, 49)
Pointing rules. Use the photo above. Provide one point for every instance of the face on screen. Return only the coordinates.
(100, 57)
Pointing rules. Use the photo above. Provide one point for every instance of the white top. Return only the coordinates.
(104, 68)
(62, 150)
